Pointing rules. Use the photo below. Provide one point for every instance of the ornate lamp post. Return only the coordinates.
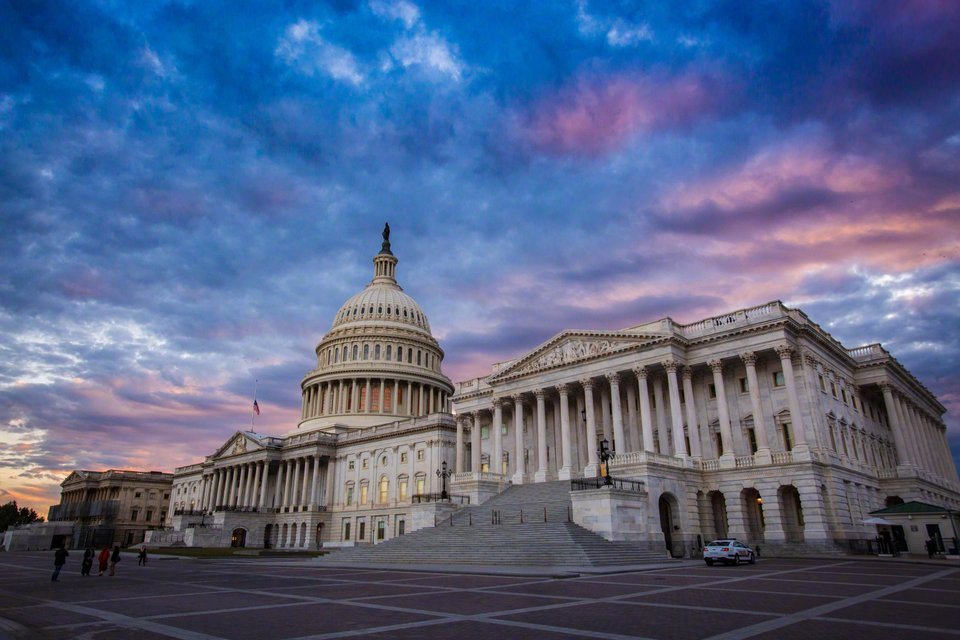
(605, 454)
(443, 474)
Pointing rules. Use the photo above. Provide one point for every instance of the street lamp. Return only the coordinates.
(605, 454)
(443, 474)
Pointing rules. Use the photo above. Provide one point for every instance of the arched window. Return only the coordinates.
(409, 356)
(399, 354)
(344, 357)
(376, 352)
(421, 483)
(384, 490)
(336, 355)
(366, 352)
(419, 359)
(389, 352)
(380, 309)
(363, 492)
(402, 482)
(388, 310)
(356, 351)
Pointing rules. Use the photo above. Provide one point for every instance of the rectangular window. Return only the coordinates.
(778, 380)
(420, 487)
(346, 530)
(420, 454)
(833, 390)
(403, 457)
(364, 463)
(384, 491)
(823, 385)
(485, 467)
(149, 516)
(137, 494)
(744, 386)
(843, 395)
(163, 516)
(403, 489)
(351, 465)
(503, 429)
(712, 390)
(381, 530)
(484, 433)
(361, 530)
(363, 494)
(787, 440)
(753, 440)
(401, 527)
(349, 496)
(133, 514)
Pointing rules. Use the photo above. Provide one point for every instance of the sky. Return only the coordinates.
(190, 190)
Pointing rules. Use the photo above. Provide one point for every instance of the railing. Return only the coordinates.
(420, 498)
(868, 352)
(107, 509)
(639, 457)
(189, 512)
(744, 462)
(584, 484)
(737, 317)
(782, 457)
(236, 509)
(710, 465)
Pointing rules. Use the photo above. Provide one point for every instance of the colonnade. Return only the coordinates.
(645, 427)
(372, 396)
(921, 441)
(298, 485)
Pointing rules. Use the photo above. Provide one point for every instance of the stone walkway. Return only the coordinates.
(268, 599)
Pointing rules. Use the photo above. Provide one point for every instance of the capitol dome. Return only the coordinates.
(379, 361)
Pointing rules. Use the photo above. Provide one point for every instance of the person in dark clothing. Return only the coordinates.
(142, 556)
(114, 559)
(931, 547)
(59, 559)
(87, 562)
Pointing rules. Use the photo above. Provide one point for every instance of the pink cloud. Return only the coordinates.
(797, 164)
(598, 116)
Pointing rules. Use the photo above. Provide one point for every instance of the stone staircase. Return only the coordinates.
(525, 525)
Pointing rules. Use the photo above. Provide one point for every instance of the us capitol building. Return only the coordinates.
(755, 424)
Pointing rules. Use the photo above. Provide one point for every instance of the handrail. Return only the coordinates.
(584, 484)
(419, 498)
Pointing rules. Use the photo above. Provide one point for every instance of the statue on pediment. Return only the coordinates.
(239, 446)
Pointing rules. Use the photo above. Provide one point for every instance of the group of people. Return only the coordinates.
(106, 559)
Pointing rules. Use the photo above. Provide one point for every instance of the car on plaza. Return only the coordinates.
(728, 551)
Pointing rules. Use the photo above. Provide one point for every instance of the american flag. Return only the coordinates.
(256, 407)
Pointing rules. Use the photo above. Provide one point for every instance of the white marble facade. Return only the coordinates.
(755, 424)
(375, 426)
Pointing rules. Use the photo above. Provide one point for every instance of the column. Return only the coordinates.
(315, 484)
(663, 432)
(420, 410)
(565, 472)
(252, 477)
(676, 417)
(244, 491)
(910, 436)
(793, 398)
(264, 472)
(632, 427)
(726, 435)
(645, 422)
(903, 456)
(410, 403)
(475, 452)
(279, 484)
(331, 483)
(286, 485)
(518, 471)
(541, 474)
(293, 500)
(620, 440)
(496, 458)
(693, 423)
(221, 487)
(593, 461)
(606, 421)
(460, 447)
(305, 488)
(759, 425)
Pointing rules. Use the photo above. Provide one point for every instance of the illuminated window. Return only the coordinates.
(363, 494)
(403, 489)
(384, 490)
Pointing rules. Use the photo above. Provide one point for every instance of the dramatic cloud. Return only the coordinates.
(189, 191)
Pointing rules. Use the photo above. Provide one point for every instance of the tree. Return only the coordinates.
(11, 515)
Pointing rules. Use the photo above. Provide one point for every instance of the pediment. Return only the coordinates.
(239, 443)
(570, 347)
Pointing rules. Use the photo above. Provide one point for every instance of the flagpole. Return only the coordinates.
(253, 414)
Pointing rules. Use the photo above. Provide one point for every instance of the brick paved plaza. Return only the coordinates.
(272, 599)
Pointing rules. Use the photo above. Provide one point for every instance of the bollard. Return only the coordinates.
(544, 514)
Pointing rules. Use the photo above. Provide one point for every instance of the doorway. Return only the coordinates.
(238, 538)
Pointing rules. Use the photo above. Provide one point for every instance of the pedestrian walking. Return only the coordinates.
(114, 559)
(931, 547)
(103, 559)
(87, 563)
(59, 559)
(142, 556)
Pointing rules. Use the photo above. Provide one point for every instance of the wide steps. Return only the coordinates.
(524, 525)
